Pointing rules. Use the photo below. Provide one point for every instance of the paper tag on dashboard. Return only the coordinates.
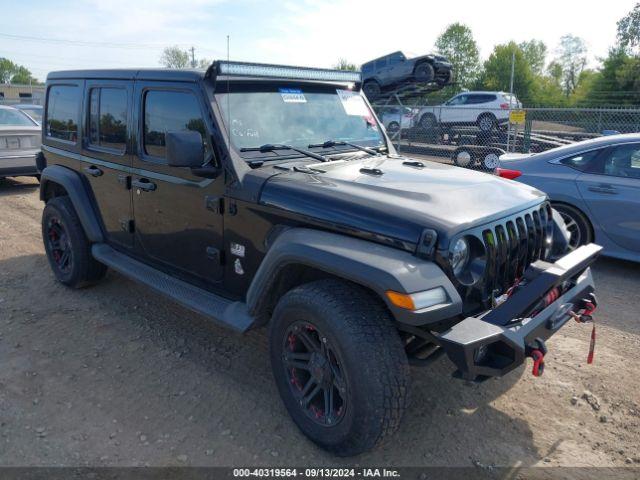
(353, 103)
(292, 95)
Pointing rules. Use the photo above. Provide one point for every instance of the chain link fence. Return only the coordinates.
(475, 136)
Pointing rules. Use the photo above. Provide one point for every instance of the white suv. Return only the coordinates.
(487, 110)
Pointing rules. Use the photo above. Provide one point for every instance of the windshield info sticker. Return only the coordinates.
(353, 103)
(292, 95)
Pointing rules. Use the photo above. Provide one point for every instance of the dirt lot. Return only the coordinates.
(116, 375)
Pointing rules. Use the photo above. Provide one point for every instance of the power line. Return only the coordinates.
(83, 43)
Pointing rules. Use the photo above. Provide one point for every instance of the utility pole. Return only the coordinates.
(193, 57)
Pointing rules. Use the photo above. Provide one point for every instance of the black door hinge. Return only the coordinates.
(127, 225)
(214, 203)
(125, 180)
(214, 254)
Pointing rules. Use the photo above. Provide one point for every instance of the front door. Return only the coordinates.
(611, 190)
(178, 225)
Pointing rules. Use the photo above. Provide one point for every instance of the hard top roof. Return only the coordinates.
(169, 74)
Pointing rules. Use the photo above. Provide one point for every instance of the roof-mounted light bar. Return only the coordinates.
(243, 69)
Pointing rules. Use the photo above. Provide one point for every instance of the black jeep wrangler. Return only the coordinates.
(262, 195)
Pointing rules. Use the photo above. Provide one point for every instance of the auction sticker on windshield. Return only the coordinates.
(292, 95)
(353, 103)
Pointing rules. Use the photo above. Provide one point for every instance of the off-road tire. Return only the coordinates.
(577, 223)
(359, 328)
(371, 89)
(424, 73)
(84, 270)
(393, 128)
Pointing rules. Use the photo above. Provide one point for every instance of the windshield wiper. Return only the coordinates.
(334, 143)
(268, 147)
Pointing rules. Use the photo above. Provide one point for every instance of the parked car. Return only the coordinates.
(19, 143)
(34, 111)
(395, 118)
(395, 69)
(595, 185)
(486, 110)
(359, 260)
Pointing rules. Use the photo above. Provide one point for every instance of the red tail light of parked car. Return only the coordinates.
(507, 173)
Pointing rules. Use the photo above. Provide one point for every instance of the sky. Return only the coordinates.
(46, 35)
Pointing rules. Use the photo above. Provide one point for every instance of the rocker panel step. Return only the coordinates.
(226, 312)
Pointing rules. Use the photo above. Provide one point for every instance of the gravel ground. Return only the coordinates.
(116, 375)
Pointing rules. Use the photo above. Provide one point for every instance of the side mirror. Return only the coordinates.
(184, 148)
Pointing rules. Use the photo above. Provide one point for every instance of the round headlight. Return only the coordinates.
(459, 256)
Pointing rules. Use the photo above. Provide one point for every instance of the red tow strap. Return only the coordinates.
(592, 346)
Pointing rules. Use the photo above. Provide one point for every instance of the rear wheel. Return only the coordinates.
(67, 246)
(339, 365)
(393, 127)
(578, 225)
(486, 122)
(428, 121)
(371, 89)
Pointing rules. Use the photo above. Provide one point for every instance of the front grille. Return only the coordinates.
(512, 244)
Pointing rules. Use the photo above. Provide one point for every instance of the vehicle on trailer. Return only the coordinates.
(261, 195)
(396, 118)
(594, 184)
(486, 110)
(34, 111)
(395, 69)
(19, 143)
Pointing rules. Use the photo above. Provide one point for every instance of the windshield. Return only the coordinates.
(298, 117)
(13, 117)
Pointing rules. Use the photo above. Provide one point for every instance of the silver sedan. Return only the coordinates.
(595, 185)
(20, 138)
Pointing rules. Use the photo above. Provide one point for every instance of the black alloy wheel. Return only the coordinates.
(316, 377)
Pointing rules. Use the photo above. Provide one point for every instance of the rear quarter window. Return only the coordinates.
(581, 161)
(63, 111)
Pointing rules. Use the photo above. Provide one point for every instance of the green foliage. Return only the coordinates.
(496, 74)
(617, 83)
(343, 64)
(11, 72)
(458, 45)
(535, 52)
(629, 29)
(175, 57)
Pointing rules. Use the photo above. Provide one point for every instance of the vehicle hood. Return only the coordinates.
(402, 201)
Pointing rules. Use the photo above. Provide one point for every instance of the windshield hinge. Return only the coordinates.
(427, 243)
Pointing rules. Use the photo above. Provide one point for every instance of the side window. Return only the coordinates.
(395, 59)
(108, 118)
(459, 100)
(381, 63)
(63, 103)
(581, 161)
(623, 161)
(169, 111)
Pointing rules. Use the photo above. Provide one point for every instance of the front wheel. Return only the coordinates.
(580, 232)
(424, 73)
(371, 89)
(339, 365)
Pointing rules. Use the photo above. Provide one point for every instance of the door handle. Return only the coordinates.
(144, 184)
(93, 171)
(608, 189)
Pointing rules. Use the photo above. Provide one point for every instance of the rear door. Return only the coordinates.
(453, 111)
(106, 155)
(611, 190)
(178, 224)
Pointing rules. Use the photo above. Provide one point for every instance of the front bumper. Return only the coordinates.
(498, 341)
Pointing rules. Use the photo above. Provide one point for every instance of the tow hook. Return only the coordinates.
(588, 305)
(537, 350)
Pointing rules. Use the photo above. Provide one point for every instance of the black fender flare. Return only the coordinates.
(374, 266)
(73, 183)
